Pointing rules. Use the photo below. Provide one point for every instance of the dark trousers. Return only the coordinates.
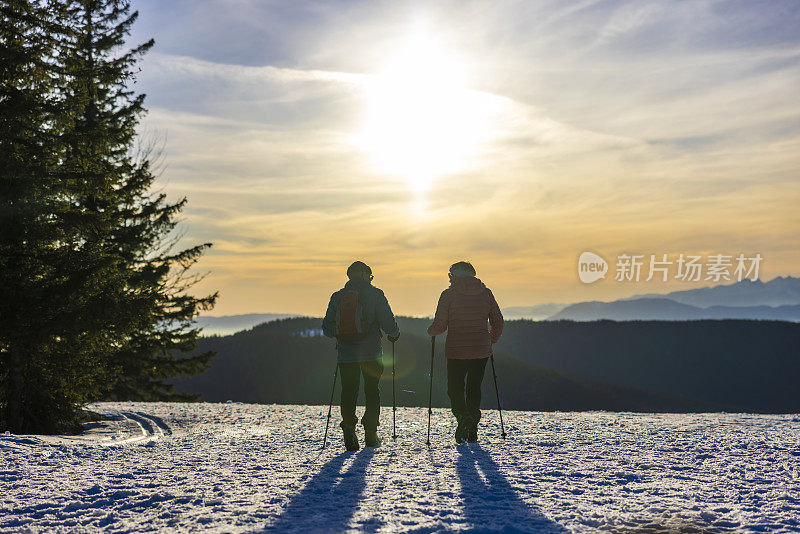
(351, 377)
(465, 403)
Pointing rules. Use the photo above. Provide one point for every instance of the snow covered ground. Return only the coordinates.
(249, 468)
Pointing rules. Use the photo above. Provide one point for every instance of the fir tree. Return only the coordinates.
(34, 229)
(135, 224)
(100, 303)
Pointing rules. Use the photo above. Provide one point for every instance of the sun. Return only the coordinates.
(421, 120)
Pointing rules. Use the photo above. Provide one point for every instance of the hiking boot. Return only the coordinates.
(472, 432)
(461, 433)
(371, 438)
(350, 438)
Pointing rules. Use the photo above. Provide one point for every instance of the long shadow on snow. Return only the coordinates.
(329, 500)
(490, 503)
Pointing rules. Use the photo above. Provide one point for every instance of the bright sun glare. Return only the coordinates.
(421, 120)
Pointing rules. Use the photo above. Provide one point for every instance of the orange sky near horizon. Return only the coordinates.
(516, 137)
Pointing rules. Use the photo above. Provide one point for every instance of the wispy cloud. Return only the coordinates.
(179, 66)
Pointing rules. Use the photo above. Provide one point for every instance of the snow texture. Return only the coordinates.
(251, 468)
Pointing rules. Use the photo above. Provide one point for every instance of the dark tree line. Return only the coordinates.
(640, 366)
(278, 362)
(94, 292)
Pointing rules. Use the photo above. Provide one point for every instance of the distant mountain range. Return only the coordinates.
(780, 291)
(534, 313)
(663, 309)
(778, 299)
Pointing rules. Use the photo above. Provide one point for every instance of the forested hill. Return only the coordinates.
(737, 365)
(562, 365)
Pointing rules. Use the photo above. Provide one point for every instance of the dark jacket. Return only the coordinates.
(463, 311)
(378, 314)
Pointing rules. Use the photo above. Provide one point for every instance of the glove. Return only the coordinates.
(392, 339)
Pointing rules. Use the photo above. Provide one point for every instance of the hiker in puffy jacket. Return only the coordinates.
(361, 356)
(469, 313)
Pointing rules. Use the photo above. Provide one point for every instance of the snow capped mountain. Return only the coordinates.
(258, 468)
(664, 309)
(780, 291)
(778, 300)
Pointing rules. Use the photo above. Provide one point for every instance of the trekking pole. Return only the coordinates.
(499, 408)
(430, 389)
(394, 403)
(330, 406)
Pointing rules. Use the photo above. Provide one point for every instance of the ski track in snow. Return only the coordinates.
(252, 468)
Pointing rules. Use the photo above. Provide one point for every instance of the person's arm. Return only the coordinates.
(442, 317)
(386, 318)
(495, 319)
(329, 322)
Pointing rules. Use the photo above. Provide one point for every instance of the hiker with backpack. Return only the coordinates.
(356, 316)
(464, 310)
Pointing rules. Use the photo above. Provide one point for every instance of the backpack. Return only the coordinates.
(351, 323)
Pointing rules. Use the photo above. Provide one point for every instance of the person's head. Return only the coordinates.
(461, 269)
(359, 269)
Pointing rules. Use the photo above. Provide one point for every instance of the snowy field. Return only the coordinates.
(250, 468)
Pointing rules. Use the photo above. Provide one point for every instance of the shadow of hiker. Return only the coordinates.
(330, 499)
(489, 501)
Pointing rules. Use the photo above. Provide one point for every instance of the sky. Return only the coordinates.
(515, 135)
